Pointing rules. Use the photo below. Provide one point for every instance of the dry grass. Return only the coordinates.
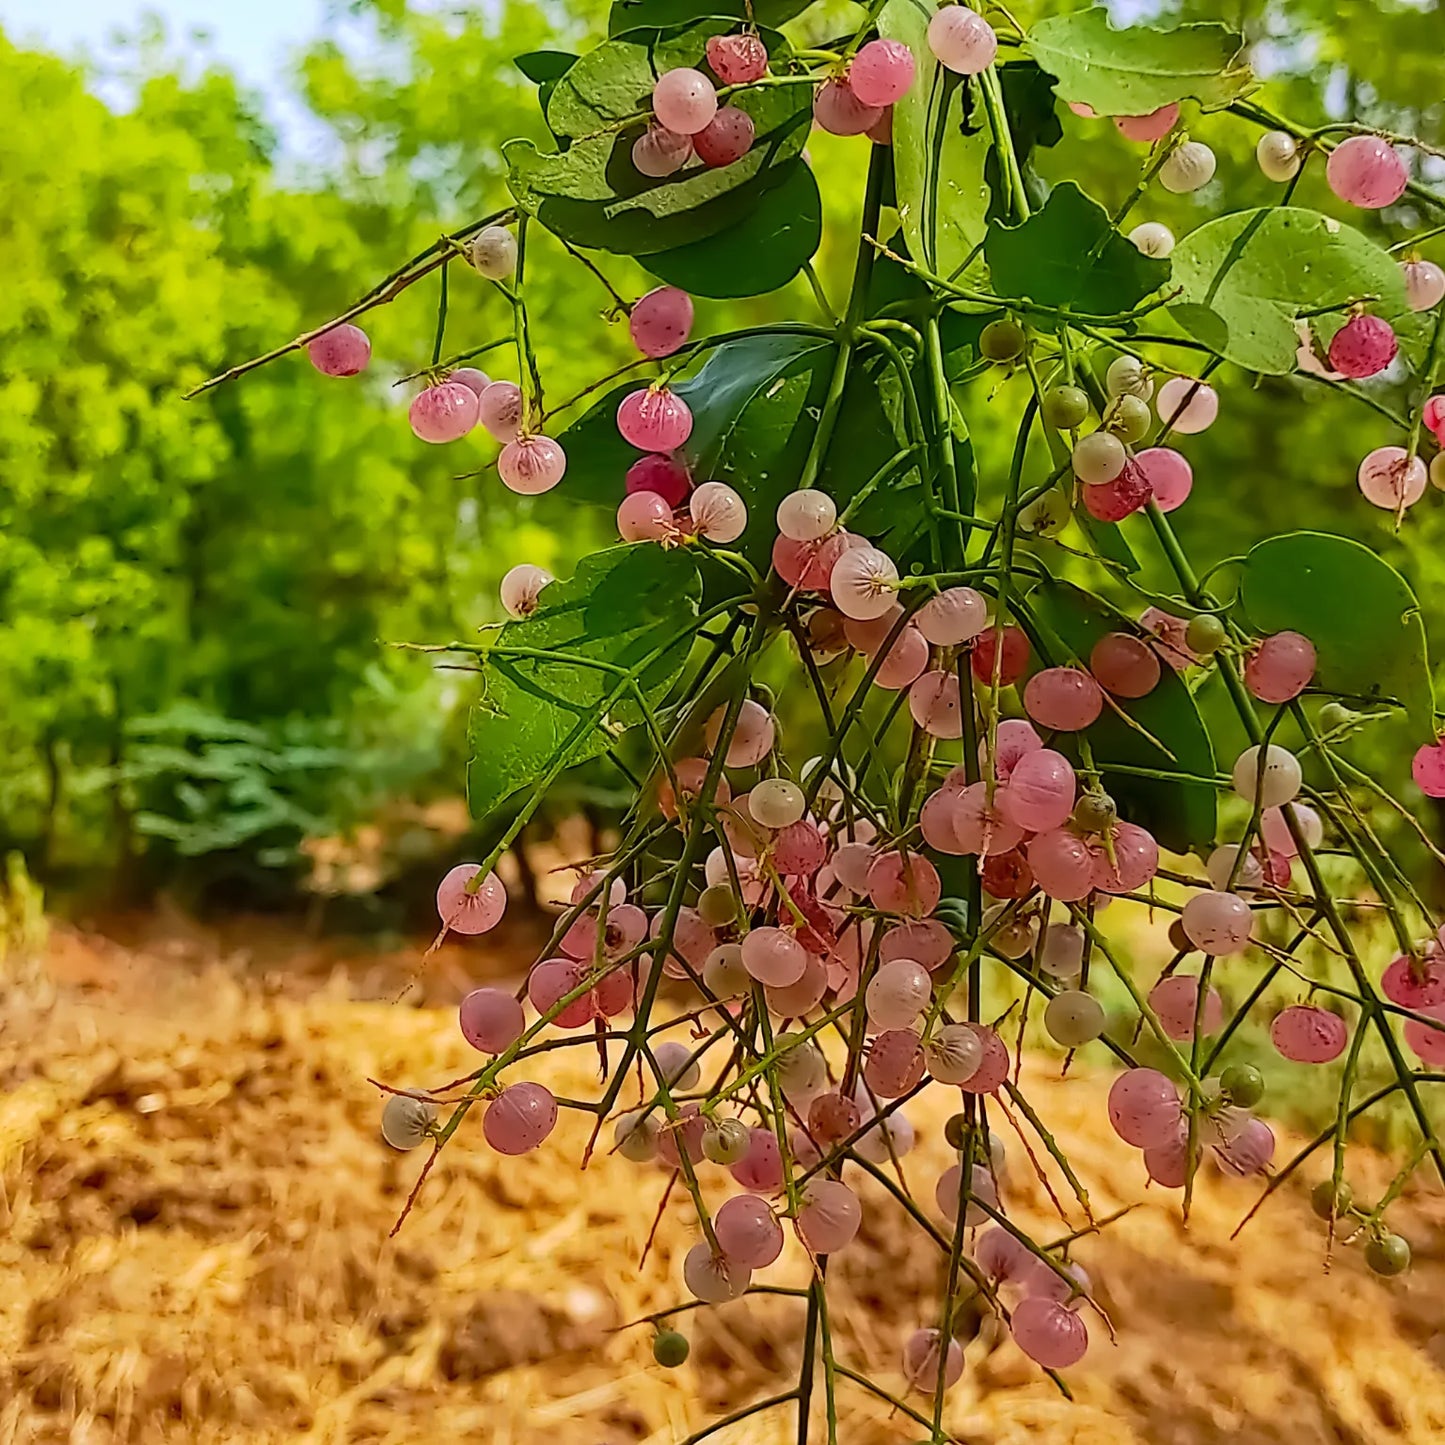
(195, 1249)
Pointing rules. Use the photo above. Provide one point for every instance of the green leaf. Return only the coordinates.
(1070, 254)
(593, 196)
(1246, 277)
(540, 66)
(940, 151)
(1180, 815)
(1033, 121)
(619, 607)
(764, 251)
(630, 14)
(1135, 71)
(1357, 610)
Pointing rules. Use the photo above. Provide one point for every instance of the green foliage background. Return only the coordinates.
(195, 597)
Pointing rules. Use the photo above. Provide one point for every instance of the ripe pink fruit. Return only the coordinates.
(1063, 698)
(840, 112)
(1049, 1333)
(1062, 864)
(684, 100)
(1433, 414)
(1186, 405)
(1146, 128)
(1124, 666)
(983, 829)
(1426, 1041)
(904, 883)
(881, 72)
(660, 152)
(1280, 668)
(550, 981)
(1391, 478)
(894, 1064)
(1367, 171)
(718, 513)
(1120, 498)
(994, 1067)
(925, 940)
(491, 1020)
(499, 409)
(519, 1118)
(1175, 999)
(645, 517)
(666, 476)
(1309, 1035)
(828, 1217)
(1015, 738)
(962, 40)
(1013, 660)
(1363, 346)
(654, 419)
(1039, 794)
(1168, 474)
(956, 615)
(1136, 860)
(1418, 986)
(661, 321)
(727, 137)
(921, 1361)
(897, 994)
(1217, 923)
(935, 705)
(343, 351)
(1170, 632)
(905, 662)
(1249, 1151)
(470, 377)
(1168, 1164)
(1427, 768)
(737, 59)
(531, 465)
(444, 413)
(1424, 284)
(774, 957)
(1144, 1108)
(714, 1279)
(748, 1232)
(522, 587)
(468, 907)
(760, 1170)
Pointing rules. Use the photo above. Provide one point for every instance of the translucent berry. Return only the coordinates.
(881, 72)
(983, 1190)
(1217, 923)
(933, 703)
(521, 587)
(491, 1020)
(954, 1054)
(1135, 861)
(718, 513)
(1062, 954)
(654, 419)
(344, 350)
(406, 1120)
(1124, 666)
(1223, 866)
(531, 465)
(1153, 238)
(1062, 864)
(807, 516)
(921, 1361)
(1010, 659)
(839, 112)
(1424, 284)
(493, 251)
(748, 1232)
(660, 152)
(661, 321)
(1175, 1001)
(898, 993)
(1280, 668)
(1367, 171)
(727, 137)
(1391, 478)
(1188, 168)
(1074, 1018)
(726, 1142)
(861, 583)
(828, 1216)
(499, 409)
(1039, 794)
(737, 59)
(1186, 405)
(444, 413)
(1278, 155)
(1098, 458)
(956, 615)
(1364, 346)
(1277, 783)
(468, 906)
(684, 100)
(1049, 1333)
(519, 1119)
(903, 883)
(1169, 475)
(471, 378)
(670, 1349)
(1427, 768)
(1248, 1151)
(1146, 128)
(714, 1279)
(962, 40)
(752, 738)
(1309, 1035)
(1144, 1108)
(645, 517)
(1063, 698)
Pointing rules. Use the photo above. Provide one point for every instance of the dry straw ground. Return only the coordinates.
(195, 1248)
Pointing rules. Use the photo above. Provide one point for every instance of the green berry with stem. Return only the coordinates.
(1329, 1202)
(1244, 1084)
(670, 1348)
(718, 905)
(1094, 812)
(956, 1131)
(1388, 1255)
(1065, 407)
(1335, 715)
(1129, 418)
(1205, 634)
(1002, 340)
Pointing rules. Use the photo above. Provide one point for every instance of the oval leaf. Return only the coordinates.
(1357, 610)
(629, 14)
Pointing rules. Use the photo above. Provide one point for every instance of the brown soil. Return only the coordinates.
(195, 1244)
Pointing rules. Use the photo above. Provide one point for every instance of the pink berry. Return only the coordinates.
(956, 615)
(748, 1232)
(342, 351)
(925, 940)
(471, 378)
(684, 100)
(881, 131)
(1039, 794)
(718, 513)
(1146, 128)
(935, 705)
(1063, 698)
(1014, 740)
(1013, 656)
(1124, 666)
(760, 1170)
(1175, 999)
(1280, 668)
(499, 409)
(1186, 405)
(727, 137)
(1433, 414)
(522, 587)
(737, 59)
(904, 663)
(1062, 864)
(840, 112)
(661, 321)
(468, 907)
(531, 465)
(881, 72)
(444, 413)
(1367, 171)
(491, 1020)
(904, 883)
(1217, 923)
(1171, 633)
(1392, 479)
(645, 517)
(962, 40)
(828, 1217)
(1424, 285)
(1144, 1108)
(1168, 474)
(714, 1279)
(1048, 1333)
(654, 419)
(833, 1117)
(1136, 860)
(1309, 1035)
(895, 1063)
(1427, 768)
(1415, 985)
(1249, 1151)
(660, 152)
(921, 1359)
(1427, 1041)
(550, 981)
(993, 1068)
(1120, 498)
(861, 583)
(1168, 1164)
(897, 994)
(774, 957)
(666, 476)
(1363, 346)
(519, 1118)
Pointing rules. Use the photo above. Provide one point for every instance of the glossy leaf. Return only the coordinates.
(1069, 254)
(1181, 815)
(619, 607)
(1245, 279)
(1359, 612)
(630, 14)
(1135, 71)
